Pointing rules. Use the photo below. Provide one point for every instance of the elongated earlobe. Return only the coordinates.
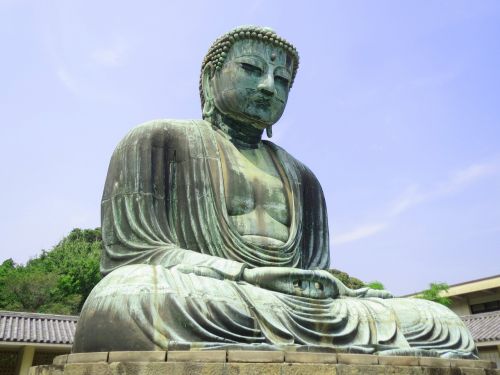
(269, 131)
(208, 109)
(208, 101)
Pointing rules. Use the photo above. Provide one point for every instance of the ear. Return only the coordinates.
(206, 86)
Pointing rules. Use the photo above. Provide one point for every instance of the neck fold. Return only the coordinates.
(240, 134)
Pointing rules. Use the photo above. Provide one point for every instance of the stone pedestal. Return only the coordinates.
(242, 362)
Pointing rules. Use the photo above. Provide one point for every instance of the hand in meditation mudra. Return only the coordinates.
(216, 238)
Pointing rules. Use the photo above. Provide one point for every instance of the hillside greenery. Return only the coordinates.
(349, 281)
(57, 281)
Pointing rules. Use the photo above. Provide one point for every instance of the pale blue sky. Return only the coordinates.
(395, 108)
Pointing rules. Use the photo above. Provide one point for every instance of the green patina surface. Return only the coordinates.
(215, 238)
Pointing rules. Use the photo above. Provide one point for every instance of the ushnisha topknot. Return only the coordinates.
(217, 53)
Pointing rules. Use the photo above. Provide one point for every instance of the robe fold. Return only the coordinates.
(164, 207)
(163, 203)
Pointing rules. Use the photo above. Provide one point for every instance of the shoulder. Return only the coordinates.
(286, 157)
(307, 178)
(161, 132)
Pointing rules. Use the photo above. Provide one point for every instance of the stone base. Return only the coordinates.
(241, 362)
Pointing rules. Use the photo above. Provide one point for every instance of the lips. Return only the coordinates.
(262, 102)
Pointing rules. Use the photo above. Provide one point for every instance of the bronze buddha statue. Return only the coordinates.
(214, 237)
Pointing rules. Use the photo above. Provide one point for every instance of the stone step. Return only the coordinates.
(244, 362)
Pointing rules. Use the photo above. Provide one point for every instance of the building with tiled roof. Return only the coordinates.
(485, 327)
(30, 339)
(477, 302)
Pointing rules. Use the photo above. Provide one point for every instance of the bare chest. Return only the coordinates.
(254, 192)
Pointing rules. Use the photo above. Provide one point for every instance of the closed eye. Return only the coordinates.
(282, 80)
(251, 68)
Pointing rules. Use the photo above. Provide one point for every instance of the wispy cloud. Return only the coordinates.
(413, 195)
(112, 55)
(410, 197)
(359, 233)
(467, 176)
(457, 181)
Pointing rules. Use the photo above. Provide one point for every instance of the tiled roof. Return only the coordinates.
(37, 328)
(484, 327)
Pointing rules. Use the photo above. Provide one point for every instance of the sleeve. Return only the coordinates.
(315, 236)
(136, 203)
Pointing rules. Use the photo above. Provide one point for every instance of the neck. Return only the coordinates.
(239, 133)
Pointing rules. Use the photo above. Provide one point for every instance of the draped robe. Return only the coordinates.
(164, 207)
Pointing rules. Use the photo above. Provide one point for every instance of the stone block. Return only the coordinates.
(253, 368)
(193, 368)
(46, 370)
(403, 370)
(486, 364)
(472, 371)
(360, 370)
(88, 357)
(262, 356)
(433, 362)
(138, 368)
(310, 357)
(440, 371)
(357, 359)
(472, 363)
(99, 368)
(60, 359)
(208, 356)
(312, 349)
(164, 368)
(139, 356)
(398, 360)
(308, 369)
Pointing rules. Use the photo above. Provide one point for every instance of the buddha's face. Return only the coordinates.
(252, 86)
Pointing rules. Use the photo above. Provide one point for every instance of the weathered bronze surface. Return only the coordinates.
(215, 238)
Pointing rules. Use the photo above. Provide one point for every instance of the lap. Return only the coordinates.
(151, 307)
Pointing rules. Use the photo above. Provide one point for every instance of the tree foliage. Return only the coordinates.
(57, 281)
(434, 293)
(376, 285)
(349, 281)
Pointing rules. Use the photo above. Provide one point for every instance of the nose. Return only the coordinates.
(267, 85)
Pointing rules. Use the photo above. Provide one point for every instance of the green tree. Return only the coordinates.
(349, 281)
(57, 281)
(7, 298)
(435, 293)
(29, 290)
(375, 285)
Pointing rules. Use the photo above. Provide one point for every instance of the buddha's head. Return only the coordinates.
(246, 76)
